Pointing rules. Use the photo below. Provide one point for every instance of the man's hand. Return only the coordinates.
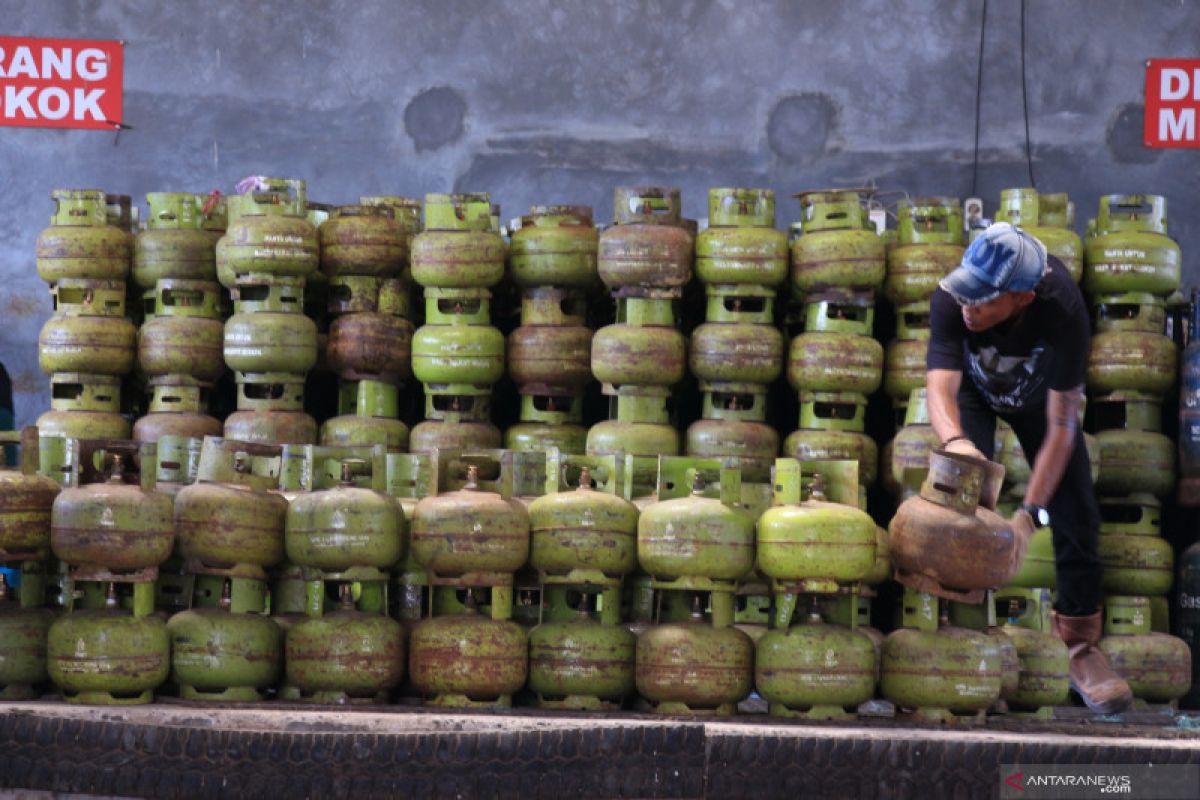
(1022, 528)
(964, 447)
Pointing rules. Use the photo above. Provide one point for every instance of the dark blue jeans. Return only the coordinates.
(1074, 512)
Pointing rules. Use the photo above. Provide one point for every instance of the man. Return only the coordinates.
(1009, 339)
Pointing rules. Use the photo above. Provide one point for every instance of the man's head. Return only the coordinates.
(997, 276)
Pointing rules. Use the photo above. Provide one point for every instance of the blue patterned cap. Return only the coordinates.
(1003, 259)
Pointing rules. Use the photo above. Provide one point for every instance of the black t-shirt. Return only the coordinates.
(1014, 363)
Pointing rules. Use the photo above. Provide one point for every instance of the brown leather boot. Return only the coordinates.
(1102, 690)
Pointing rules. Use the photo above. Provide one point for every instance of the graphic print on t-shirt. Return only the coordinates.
(1008, 383)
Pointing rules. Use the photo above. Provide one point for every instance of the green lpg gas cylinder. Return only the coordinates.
(470, 531)
(928, 247)
(26, 500)
(228, 518)
(1124, 361)
(92, 345)
(218, 655)
(950, 669)
(268, 233)
(693, 667)
(107, 656)
(363, 240)
(835, 362)
(914, 442)
(740, 244)
(185, 337)
(816, 668)
(581, 664)
(462, 436)
(736, 352)
(176, 411)
(904, 367)
(271, 427)
(345, 655)
(540, 436)
(467, 659)
(748, 446)
(837, 248)
(174, 243)
(1038, 569)
(83, 425)
(882, 569)
(1157, 666)
(23, 650)
(79, 242)
(815, 541)
(113, 524)
(583, 530)
(555, 246)
(458, 354)
(264, 341)
(1044, 680)
(831, 429)
(345, 526)
(647, 247)
(1131, 251)
(643, 355)
(1135, 461)
(457, 249)
(1136, 565)
(696, 537)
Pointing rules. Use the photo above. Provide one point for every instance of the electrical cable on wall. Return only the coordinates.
(1025, 103)
(978, 98)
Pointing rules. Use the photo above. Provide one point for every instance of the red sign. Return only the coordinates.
(60, 83)
(1172, 102)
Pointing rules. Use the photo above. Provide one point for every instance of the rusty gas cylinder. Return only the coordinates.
(470, 531)
(26, 499)
(943, 541)
(363, 240)
(740, 244)
(114, 524)
(79, 242)
(647, 247)
(370, 346)
(836, 247)
(174, 244)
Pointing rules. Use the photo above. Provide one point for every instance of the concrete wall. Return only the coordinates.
(540, 101)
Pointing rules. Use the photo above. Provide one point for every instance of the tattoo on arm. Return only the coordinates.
(1066, 420)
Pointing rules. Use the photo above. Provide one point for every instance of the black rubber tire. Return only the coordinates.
(115, 758)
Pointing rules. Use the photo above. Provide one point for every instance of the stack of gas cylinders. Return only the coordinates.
(1131, 267)
(738, 353)
(457, 354)
(553, 260)
(617, 566)
(88, 345)
(645, 260)
(268, 252)
(838, 264)
(229, 530)
(365, 256)
(928, 245)
(180, 340)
